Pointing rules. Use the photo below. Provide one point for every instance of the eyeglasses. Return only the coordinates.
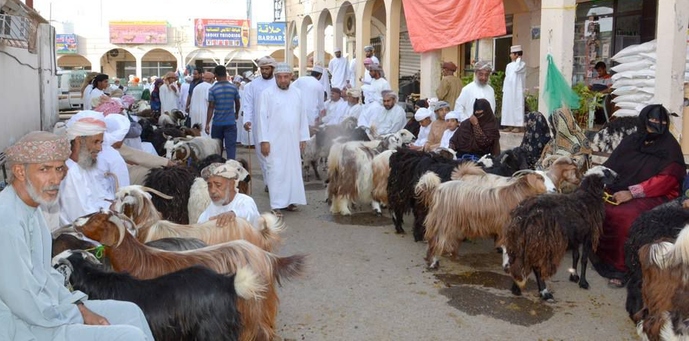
(610, 199)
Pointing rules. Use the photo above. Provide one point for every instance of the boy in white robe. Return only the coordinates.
(513, 92)
(424, 117)
(452, 123)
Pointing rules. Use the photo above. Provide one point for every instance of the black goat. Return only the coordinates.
(160, 136)
(191, 304)
(507, 163)
(174, 181)
(664, 221)
(542, 228)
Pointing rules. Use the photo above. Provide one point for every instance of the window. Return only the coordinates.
(149, 69)
(123, 69)
(14, 27)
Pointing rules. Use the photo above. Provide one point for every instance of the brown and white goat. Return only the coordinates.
(135, 202)
(542, 228)
(460, 209)
(350, 171)
(665, 269)
(127, 254)
(194, 148)
(381, 173)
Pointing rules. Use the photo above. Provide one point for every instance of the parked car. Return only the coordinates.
(69, 89)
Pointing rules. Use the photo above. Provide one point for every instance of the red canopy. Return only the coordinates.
(436, 24)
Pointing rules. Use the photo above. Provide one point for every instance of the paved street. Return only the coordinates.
(364, 282)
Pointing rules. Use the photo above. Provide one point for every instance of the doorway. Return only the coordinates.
(501, 52)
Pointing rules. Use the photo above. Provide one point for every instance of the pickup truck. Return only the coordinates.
(69, 86)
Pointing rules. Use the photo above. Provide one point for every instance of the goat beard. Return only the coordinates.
(86, 161)
(36, 197)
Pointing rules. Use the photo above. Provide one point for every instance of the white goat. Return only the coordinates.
(350, 170)
(197, 148)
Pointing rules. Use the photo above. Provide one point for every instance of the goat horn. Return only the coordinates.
(522, 172)
(156, 192)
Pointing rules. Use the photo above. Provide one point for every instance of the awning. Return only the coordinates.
(202, 54)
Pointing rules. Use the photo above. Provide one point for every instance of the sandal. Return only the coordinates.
(616, 283)
(290, 208)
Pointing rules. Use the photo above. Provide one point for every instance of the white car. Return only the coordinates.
(68, 84)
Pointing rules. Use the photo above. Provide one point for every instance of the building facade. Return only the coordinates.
(577, 33)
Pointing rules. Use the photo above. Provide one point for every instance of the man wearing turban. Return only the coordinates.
(34, 303)
(81, 193)
(112, 169)
(479, 88)
(226, 204)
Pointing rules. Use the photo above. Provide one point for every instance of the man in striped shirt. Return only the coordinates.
(223, 107)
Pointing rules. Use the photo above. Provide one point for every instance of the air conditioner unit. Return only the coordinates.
(350, 24)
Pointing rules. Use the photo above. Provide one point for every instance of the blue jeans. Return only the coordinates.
(228, 133)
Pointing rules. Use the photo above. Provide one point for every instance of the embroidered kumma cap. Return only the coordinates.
(38, 147)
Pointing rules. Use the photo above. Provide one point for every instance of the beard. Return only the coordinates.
(86, 161)
(222, 202)
(283, 87)
(36, 196)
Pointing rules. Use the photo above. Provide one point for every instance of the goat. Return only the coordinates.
(310, 157)
(326, 136)
(174, 118)
(199, 199)
(190, 304)
(612, 133)
(175, 181)
(665, 273)
(135, 202)
(349, 170)
(141, 108)
(191, 149)
(543, 228)
(128, 255)
(381, 172)
(459, 210)
(159, 136)
(505, 164)
(664, 221)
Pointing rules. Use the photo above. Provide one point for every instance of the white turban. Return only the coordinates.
(85, 123)
(452, 115)
(117, 127)
(483, 65)
(422, 113)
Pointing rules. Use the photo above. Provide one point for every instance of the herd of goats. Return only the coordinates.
(200, 282)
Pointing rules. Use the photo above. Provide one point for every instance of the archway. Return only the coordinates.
(279, 56)
(304, 34)
(323, 34)
(73, 62)
(310, 58)
(118, 62)
(345, 28)
(157, 62)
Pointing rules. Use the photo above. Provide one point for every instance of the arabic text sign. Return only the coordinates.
(138, 32)
(271, 33)
(66, 44)
(221, 33)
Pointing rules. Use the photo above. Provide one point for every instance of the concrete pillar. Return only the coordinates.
(391, 59)
(557, 38)
(430, 73)
(289, 56)
(303, 40)
(363, 35)
(338, 33)
(670, 65)
(95, 63)
(319, 46)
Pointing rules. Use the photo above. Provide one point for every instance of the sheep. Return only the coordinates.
(128, 255)
(664, 221)
(175, 181)
(135, 202)
(665, 273)
(459, 210)
(190, 304)
(191, 149)
(199, 199)
(612, 133)
(542, 228)
(349, 170)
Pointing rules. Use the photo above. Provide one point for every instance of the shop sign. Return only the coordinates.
(66, 44)
(270, 33)
(138, 32)
(221, 33)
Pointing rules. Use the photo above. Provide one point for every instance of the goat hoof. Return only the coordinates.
(434, 265)
(506, 268)
(584, 284)
(548, 297)
(378, 213)
(573, 278)
(515, 290)
(399, 230)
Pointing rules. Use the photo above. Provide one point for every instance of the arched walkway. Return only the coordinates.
(73, 62)
(304, 28)
(345, 28)
(118, 62)
(279, 56)
(324, 20)
(157, 62)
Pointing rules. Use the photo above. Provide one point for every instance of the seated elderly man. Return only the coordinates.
(227, 203)
(392, 118)
(112, 168)
(34, 303)
(81, 192)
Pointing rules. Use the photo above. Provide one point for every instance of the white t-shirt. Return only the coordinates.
(447, 135)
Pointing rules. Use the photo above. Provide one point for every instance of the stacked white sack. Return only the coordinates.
(634, 78)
